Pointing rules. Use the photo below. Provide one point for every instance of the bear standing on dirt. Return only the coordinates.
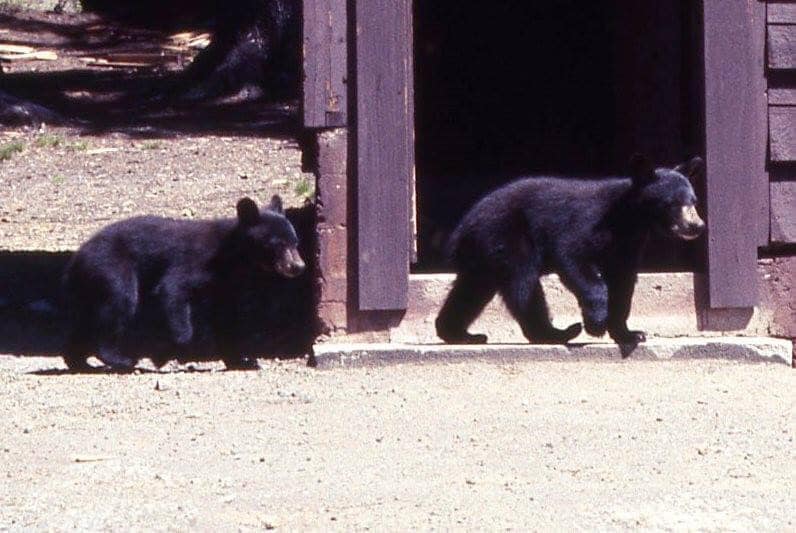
(152, 262)
(590, 232)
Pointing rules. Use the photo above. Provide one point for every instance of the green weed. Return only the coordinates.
(150, 145)
(48, 140)
(304, 189)
(77, 146)
(7, 150)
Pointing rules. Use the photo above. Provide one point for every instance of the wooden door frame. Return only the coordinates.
(735, 123)
(372, 92)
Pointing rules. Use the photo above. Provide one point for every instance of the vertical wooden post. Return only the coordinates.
(735, 118)
(325, 63)
(385, 151)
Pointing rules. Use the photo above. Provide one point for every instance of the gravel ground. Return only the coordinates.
(698, 445)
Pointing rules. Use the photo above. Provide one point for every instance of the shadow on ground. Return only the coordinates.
(134, 101)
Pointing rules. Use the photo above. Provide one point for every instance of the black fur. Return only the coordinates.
(591, 232)
(157, 267)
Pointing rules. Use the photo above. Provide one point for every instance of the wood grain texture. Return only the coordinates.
(782, 133)
(782, 47)
(735, 118)
(783, 212)
(782, 12)
(325, 63)
(385, 160)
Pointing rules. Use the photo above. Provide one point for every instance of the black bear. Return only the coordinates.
(590, 232)
(163, 264)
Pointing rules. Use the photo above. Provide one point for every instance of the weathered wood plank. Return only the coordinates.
(782, 47)
(782, 133)
(782, 95)
(782, 12)
(735, 118)
(783, 212)
(384, 151)
(325, 63)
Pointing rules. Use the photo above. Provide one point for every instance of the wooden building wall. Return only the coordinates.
(781, 63)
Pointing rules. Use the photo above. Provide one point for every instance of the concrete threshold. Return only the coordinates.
(749, 349)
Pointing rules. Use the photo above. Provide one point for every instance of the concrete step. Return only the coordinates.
(749, 349)
(665, 305)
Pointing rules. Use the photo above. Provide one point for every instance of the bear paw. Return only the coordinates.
(465, 338)
(595, 329)
(557, 336)
(628, 336)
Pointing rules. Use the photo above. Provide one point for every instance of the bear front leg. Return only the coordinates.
(524, 298)
(621, 284)
(591, 291)
(175, 300)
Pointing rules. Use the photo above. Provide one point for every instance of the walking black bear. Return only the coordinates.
(158, 263)
(590, 232)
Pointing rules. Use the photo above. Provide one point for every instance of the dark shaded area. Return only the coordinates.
(277, 316)
(246, 81)
(564, 88)
(171, 14)
(256, 48)
(120, 104)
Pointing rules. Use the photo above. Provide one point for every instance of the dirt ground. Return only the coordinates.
(689, 445)
(122, 155)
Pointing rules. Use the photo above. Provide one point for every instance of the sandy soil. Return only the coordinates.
(697, 445)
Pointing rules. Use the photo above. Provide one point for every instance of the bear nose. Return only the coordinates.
(291, 264)
(690, 225)
(296, 269)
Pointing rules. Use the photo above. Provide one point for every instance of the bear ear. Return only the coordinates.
(693, 168)
(248, 214)
(641, 169)
(276, 204)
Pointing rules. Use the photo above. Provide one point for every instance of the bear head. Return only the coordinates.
(268, 238)
(667, 196)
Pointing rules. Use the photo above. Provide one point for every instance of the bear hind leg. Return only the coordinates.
(468, 297)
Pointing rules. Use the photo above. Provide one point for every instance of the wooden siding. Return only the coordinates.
(325, 63)
(782, 95)
(385, 148)
(783, 212)
(782, 13)
(782, 46)
(735, 118)
(781, 56)
(782, 129)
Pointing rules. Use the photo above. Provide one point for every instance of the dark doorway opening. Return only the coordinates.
(514, 88)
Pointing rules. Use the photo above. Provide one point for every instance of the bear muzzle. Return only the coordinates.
(290, 264)
(689, 226)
